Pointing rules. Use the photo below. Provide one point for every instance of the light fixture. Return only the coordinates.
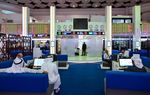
(7, 12)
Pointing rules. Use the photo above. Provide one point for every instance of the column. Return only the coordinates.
(52, 30)
(108, 29)
(25, 20)
(136, 12)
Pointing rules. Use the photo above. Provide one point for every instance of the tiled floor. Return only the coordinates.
(84, 59)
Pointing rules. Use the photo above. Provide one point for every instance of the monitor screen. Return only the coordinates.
(38, 62)
(125, 62)
(53, 57)
(80, 23)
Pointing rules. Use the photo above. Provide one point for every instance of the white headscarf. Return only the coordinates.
(53, 75)
(52, 70)
(137, 60)
(18, 62)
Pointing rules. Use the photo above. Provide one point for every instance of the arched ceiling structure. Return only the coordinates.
(44, 4)
(78, 7)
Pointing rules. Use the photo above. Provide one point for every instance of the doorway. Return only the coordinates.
(68, 44)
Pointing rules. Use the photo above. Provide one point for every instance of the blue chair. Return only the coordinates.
(136, 81)
(28, 57)
(6, 64)
(23, 82)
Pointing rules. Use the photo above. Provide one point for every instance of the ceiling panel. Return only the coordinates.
(44, 4)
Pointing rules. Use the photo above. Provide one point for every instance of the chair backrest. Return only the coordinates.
(138, 81)
(23, 82)
(61, 57)
(6, 64)
(28, 57)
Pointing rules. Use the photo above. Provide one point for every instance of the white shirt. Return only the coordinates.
(106, 56)
(137, 61)
(18, 62)
(52, 70)
(18, 68)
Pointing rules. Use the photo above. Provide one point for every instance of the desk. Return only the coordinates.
(116, 67)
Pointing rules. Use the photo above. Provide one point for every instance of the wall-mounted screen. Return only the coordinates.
(80, 23)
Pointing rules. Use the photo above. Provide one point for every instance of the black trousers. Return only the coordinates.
(76, 54)
(84, 53)
(107, 63)
(135, 69)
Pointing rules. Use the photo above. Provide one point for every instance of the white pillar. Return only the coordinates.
(136, 12)
(25, 20)
(108, 30)
(52, 29)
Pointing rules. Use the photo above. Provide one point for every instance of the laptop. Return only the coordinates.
(38, 63)
(125, 62)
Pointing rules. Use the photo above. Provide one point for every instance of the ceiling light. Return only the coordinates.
(73, 6)
(7, 12)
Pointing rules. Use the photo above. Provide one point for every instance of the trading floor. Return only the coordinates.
(88, 47)
(84, 59)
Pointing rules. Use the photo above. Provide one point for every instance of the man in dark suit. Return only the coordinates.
(84, 47)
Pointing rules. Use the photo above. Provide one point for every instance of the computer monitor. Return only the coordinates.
(38, 62)
(53, 56)
(125, 62)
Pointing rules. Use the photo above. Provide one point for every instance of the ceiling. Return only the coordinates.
(44, 4)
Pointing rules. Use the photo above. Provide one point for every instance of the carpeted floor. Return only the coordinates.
(82, 79)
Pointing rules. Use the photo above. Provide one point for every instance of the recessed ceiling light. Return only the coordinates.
(7, 12)
(73, 6)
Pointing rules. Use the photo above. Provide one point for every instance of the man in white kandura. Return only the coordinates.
(49, 67)
(18, 66)
(137, 64)
(137, 61)
(53, 75)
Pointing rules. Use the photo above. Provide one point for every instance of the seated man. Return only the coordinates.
(18, 66)
(124, 54)
(137, 64)
(107, 59)
(77, 52)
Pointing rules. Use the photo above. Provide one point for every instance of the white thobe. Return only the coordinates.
(18, 68)
(106, 56)
(53, 75)
(137, 61)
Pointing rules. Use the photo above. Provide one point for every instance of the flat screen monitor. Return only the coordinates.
(125, 62)
(38, 62)
(80, 23)
(53, 57)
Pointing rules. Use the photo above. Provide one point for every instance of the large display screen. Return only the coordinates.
(80, 23)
